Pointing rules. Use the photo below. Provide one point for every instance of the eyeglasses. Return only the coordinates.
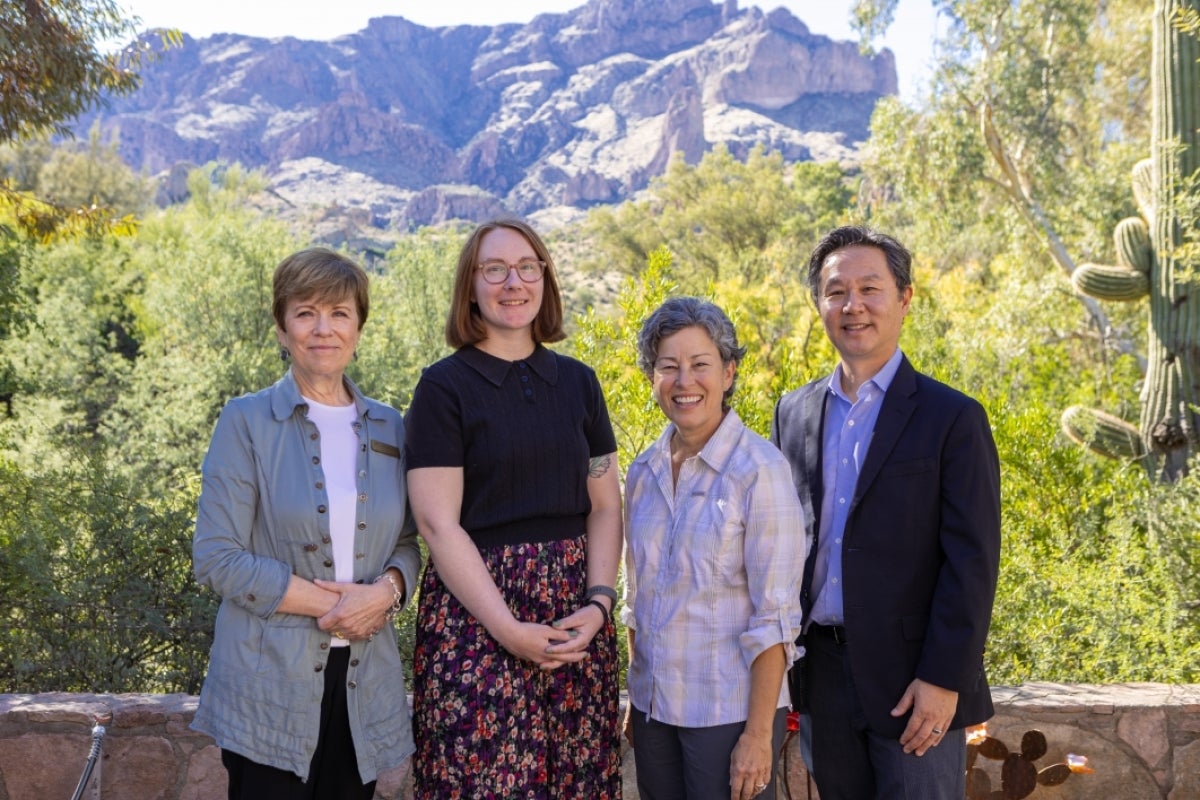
(528, 270)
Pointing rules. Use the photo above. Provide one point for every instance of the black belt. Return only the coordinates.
(835, 632)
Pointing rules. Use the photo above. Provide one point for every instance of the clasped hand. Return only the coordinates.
(361, 609)
(564, 641)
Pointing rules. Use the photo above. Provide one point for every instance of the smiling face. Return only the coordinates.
(321, 336)
(689, 382)
(509, 307)
(861, 307)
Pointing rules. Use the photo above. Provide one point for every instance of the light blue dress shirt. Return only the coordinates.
(849, 426)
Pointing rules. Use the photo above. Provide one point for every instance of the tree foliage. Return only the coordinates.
(53, 65)
(723, 218)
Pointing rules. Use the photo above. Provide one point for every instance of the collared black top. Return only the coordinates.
(522, 432)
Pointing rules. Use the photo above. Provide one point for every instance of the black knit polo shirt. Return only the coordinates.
(522, 432)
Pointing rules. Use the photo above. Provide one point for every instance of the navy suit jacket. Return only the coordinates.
(921, 550)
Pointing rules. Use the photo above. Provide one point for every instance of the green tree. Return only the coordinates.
(53, 65)
(722, 218)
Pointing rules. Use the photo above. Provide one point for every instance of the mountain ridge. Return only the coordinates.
(412, 125)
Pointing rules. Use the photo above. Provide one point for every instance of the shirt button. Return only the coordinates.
(850, 423)
(310, 548)
(320, 484)
(316, 460)
(362, 526)
(251, 598)
(838, 540)
(312, 436)
(318, 668)
(324, 645)
(834, 581)
(354, 662)
(321, 509)
(842, 500)
(362, 498)
(328, 563)
(360, 556)
(353, 684)
(845, 461)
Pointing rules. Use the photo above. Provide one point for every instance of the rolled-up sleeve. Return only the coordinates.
(229, 498)
(774, 551)
(406, 555)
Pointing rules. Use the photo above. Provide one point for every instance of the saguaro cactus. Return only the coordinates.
(1152, 264)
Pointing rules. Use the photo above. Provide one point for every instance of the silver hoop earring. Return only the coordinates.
(284, 354)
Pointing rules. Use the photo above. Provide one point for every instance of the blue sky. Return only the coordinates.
(910, 38)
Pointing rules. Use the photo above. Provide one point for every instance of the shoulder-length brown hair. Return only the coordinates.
(464, 325)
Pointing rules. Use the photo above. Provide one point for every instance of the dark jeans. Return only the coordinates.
(333, 774)
(675, 763)
(852, 762)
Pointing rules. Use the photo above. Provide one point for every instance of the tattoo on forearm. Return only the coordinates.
(598, 466)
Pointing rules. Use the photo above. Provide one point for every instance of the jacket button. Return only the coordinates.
(328, 563)
(326, 539)
(312, 436)
(321, 509)
(353, 684)
(251, 598)
(310, 548)
(316, 460)
(320, 485)
(318, 668)
(324, 645)
(362, 526)
(362, 498)
(354, 662)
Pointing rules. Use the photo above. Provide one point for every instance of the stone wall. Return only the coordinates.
(1143, 740)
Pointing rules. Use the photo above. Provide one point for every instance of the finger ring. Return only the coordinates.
(758, 787)
(938, 731)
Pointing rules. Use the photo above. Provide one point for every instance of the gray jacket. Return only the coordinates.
(262, 518)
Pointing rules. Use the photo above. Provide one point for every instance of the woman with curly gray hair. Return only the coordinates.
(714, 559)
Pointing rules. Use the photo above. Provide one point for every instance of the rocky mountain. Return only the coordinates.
(406, 125)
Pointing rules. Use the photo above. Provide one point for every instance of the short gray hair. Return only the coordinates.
(678, 313)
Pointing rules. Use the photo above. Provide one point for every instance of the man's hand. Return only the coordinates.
(932, 710)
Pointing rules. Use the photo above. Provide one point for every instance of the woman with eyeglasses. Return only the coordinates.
(512, 478)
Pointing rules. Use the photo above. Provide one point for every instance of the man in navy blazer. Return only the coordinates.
(900, 481)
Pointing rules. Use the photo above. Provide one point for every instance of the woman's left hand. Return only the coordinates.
(361, 609)
(584, 624)
(749, 766)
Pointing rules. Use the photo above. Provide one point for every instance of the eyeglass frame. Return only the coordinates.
(511, 267)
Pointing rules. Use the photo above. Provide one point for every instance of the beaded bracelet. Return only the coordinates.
(602, 591)
(397, 596)
(603, 610)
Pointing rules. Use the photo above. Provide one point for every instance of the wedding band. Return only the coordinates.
(759, 787)
(938, 731)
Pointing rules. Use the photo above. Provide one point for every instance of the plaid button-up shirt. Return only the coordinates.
(714, 565)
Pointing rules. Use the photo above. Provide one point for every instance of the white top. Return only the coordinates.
(339, 446)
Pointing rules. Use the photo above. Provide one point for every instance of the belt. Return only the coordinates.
(835, 632)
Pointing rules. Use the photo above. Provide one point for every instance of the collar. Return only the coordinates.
(286, 397)
(542, 361)
(882, 379)
(716, 452)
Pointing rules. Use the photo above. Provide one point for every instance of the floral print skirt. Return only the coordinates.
(489, 725)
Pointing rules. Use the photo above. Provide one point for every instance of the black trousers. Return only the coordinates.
(333, 774)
